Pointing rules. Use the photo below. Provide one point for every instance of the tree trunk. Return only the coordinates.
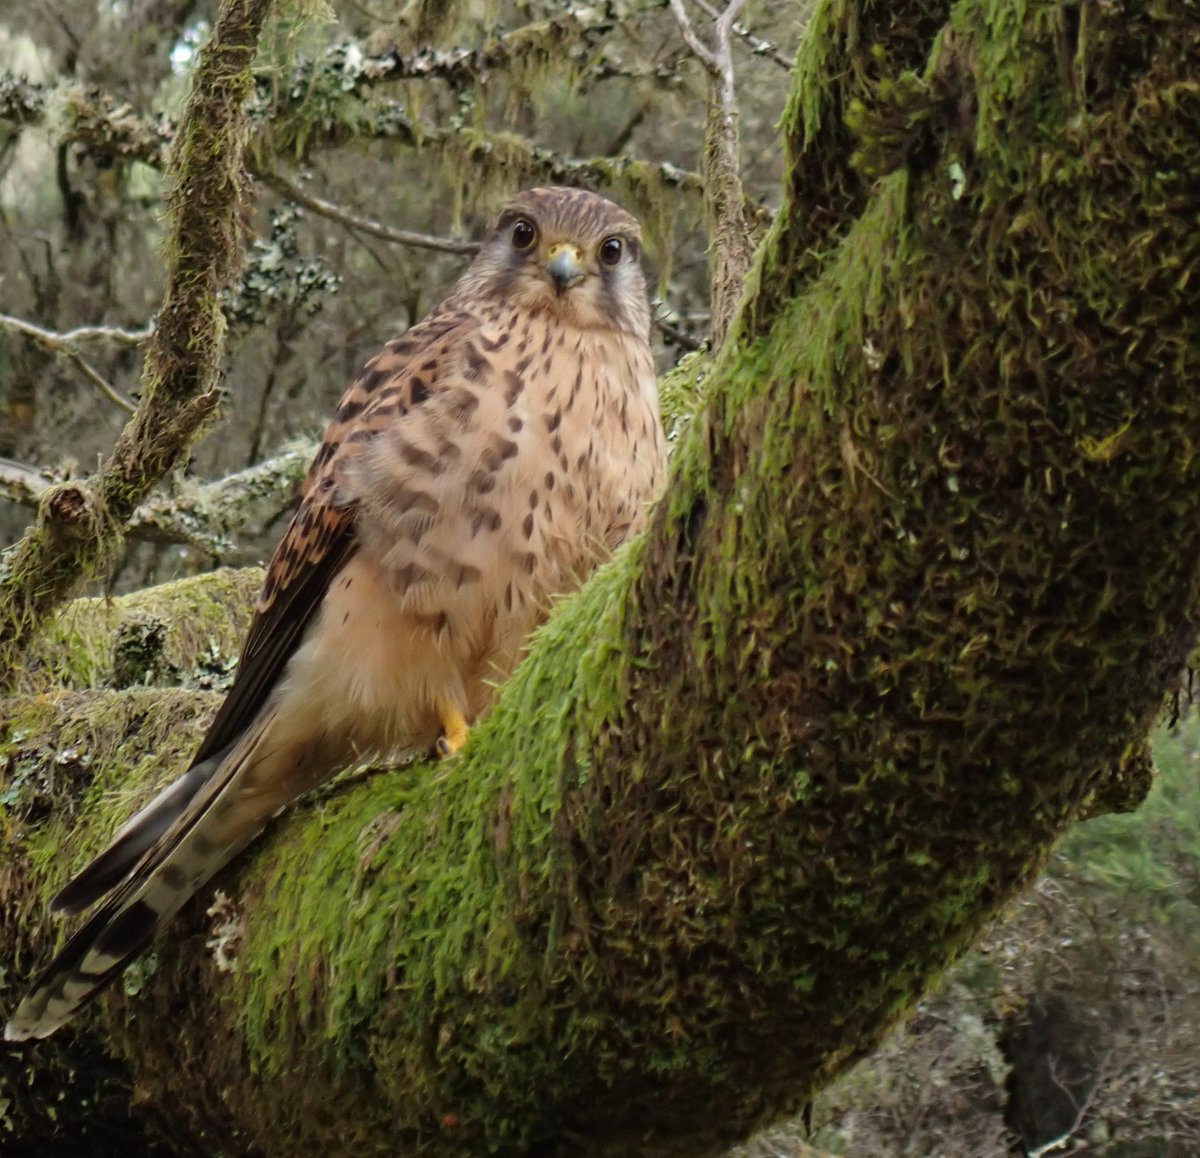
(926, 568)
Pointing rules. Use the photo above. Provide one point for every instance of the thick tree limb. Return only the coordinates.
(928, 562)
(185, 632)
(852, 58)
(79, 524)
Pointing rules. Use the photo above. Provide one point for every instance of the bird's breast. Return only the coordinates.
(504, 489)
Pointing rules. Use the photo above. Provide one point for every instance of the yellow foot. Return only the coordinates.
(454, 729)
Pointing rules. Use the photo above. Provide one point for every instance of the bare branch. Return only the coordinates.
(757, 45)
(724, 197)
(104, 333)
(701, 51)
(99, 381)
(671, 332)
(65, 344)
(1081, 1108)
(22, 484)
(355, 221)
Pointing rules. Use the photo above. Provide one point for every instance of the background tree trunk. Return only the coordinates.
(925, 570)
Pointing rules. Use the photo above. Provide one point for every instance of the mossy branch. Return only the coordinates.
(295, 130)
(79, 526)
(570, 37)
(102, 124)
(851, 53)
(929, 560)
(184, 633)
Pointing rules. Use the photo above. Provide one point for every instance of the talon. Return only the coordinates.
(454, 730)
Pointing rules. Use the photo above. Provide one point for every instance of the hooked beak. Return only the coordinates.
(564, 264)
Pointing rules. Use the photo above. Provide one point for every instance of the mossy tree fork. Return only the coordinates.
(925, 571)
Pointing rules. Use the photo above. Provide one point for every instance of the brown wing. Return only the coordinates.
(316, 545)
(321, 536)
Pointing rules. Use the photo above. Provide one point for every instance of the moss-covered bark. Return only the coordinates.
(188, 632)
(927, 565)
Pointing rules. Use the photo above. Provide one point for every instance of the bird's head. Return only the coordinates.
(567, 252)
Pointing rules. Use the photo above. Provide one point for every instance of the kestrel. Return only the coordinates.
(479, 465)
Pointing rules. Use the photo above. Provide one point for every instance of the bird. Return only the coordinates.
(479, 466)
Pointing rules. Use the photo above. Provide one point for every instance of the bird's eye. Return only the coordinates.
(523, 235)
(611, 249)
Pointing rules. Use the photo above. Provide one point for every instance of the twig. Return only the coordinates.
(757, 45)
(55, 340)
(671, 332)
(203, 516)
(1081, 1109)
(99, 381)
(724, 197)
(680, 339)
(65, 344)
(294, 193)
(699, 49)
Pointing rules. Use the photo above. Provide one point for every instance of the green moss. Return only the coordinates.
(188, 631)
(96, 752)
(681, 392)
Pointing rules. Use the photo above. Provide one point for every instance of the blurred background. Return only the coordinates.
(416, 117)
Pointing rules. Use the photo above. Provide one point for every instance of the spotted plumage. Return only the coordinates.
(479, 466)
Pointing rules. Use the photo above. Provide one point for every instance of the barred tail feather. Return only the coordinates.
(187, 840)
(134, 840)
(92, 958)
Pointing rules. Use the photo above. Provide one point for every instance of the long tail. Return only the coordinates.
(164, 855)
